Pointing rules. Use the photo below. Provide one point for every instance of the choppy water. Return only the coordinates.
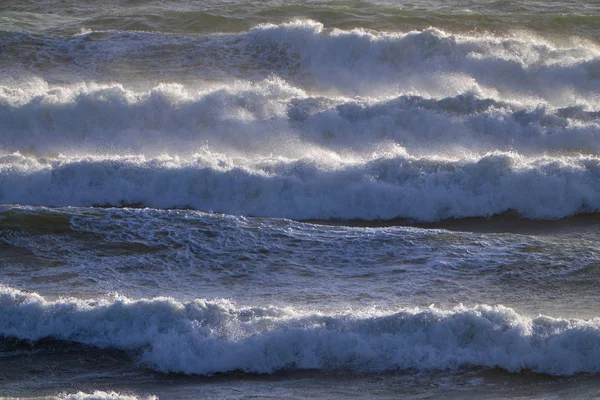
(328, 199)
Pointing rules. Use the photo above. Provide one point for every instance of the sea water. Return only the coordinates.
(324, 199)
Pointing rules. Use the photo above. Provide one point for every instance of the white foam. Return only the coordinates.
(274, 117)
(95, 395)
(431, 62)
(382, 187)
(101, 395)
(470, 126)
(207, 337)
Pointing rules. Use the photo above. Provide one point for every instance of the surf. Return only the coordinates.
(211, 336)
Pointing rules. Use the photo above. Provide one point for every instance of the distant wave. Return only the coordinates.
(352, 62)
(231, 17)
(208, 337)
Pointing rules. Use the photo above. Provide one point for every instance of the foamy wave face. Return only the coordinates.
(324, 124)
(383, 187)
(272, 116)
(101, 395)
(426, 61)
(432, 62)
(207, 337)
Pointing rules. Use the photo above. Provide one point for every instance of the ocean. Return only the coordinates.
(305, 200)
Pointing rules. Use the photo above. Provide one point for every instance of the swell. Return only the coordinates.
(234, 17)
(509, 221)
(207, 337)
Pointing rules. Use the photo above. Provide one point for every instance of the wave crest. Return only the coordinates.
(430, 62)
(389, 186)
(207, 337)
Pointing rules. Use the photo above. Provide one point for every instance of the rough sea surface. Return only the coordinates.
(280, 199)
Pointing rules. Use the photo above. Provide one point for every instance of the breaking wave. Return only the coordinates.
(385, 187)
(338, 124)
(207, 337)
(353, 62)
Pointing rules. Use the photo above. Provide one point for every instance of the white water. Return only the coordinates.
(431, 63)
(273, 116)
(101, 395)
(316, 124)
(301, 121)
(206, 337)
(272, 149)
(384, 187)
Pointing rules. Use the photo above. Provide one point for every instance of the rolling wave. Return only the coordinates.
(265, 117)
(207, 337)
(322, 124)
(385, 187)
(354, 62)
